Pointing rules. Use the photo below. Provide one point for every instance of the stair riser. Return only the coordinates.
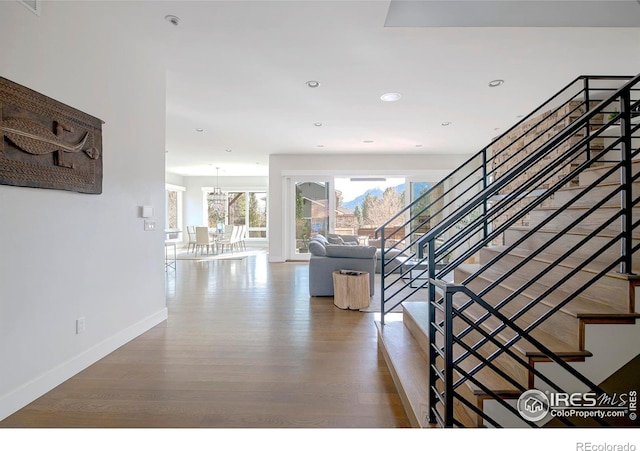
(587, 250)
(561, 197)
(417, 331)
(609, 290)
(586, 225)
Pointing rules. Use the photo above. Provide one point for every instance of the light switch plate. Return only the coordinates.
(149, 226)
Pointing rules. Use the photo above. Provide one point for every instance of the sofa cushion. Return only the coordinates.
(317, 248)
(336, 250)
(335, 240)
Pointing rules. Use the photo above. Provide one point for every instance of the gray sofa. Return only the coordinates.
(327, 258)
(394, 258)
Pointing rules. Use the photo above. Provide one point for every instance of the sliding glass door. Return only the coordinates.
(312, 213)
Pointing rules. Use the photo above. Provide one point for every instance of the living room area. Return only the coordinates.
(97, 332)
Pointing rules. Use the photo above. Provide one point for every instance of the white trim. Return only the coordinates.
(33, 389)
(277, 260)
(341, 173)
(35, 9)
(170, 187)
(289, 211)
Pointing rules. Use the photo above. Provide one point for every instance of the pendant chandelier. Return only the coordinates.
(218, 199)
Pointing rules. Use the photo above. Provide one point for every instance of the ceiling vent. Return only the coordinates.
(32, 5)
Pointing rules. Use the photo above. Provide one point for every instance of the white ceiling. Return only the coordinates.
(238, 69)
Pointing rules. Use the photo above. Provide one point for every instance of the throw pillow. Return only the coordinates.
(320, 238)
(335, 240)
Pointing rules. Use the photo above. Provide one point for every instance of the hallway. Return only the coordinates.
(244, 346)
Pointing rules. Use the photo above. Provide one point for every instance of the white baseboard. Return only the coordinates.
(276, 259)
(32, 390)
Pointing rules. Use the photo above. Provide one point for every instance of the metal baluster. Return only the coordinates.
(432, 330)
(587, 127)
(448, 359)
(626, 199)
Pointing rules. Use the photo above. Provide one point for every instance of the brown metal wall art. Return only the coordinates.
(47, 144)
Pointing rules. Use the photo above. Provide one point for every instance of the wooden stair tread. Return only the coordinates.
(594, 266)
(581, 207)
(604, 182)
(586, 302)
(610, 165)
(579, 307)
(603, 234)
(524, 347)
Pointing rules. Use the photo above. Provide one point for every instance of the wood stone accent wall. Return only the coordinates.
(525, 143)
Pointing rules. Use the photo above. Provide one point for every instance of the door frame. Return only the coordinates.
(289, 190)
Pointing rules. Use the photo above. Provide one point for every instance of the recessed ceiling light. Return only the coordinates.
(318, 124)
(495, 83)
(390, 97)
(320, 145)
(199, 130)
(418, 145)
(173, 20)
(367, 141)
(227, 150)
(444, 124)
(313, 84)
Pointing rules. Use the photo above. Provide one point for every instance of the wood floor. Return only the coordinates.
(244, 346)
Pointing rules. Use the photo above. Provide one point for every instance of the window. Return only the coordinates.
(173, 209)
(257, 215)
(242, 208)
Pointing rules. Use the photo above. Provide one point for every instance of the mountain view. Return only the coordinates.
(375, 192)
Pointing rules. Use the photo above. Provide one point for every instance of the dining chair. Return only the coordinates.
(191, 231)
(226, 240)
(242, 236)
(203, 239)
(235, 237)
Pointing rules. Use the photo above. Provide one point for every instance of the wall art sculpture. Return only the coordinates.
(47, 144)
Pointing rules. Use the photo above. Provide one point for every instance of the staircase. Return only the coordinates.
(526, 250)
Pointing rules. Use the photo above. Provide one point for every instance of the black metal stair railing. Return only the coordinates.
(402, 276)
(478, 329)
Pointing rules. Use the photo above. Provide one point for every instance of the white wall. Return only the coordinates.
(67, 255)
(174, 179)
(432, 167)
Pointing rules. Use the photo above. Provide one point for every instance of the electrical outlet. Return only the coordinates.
(80, 325)
(149, 226)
